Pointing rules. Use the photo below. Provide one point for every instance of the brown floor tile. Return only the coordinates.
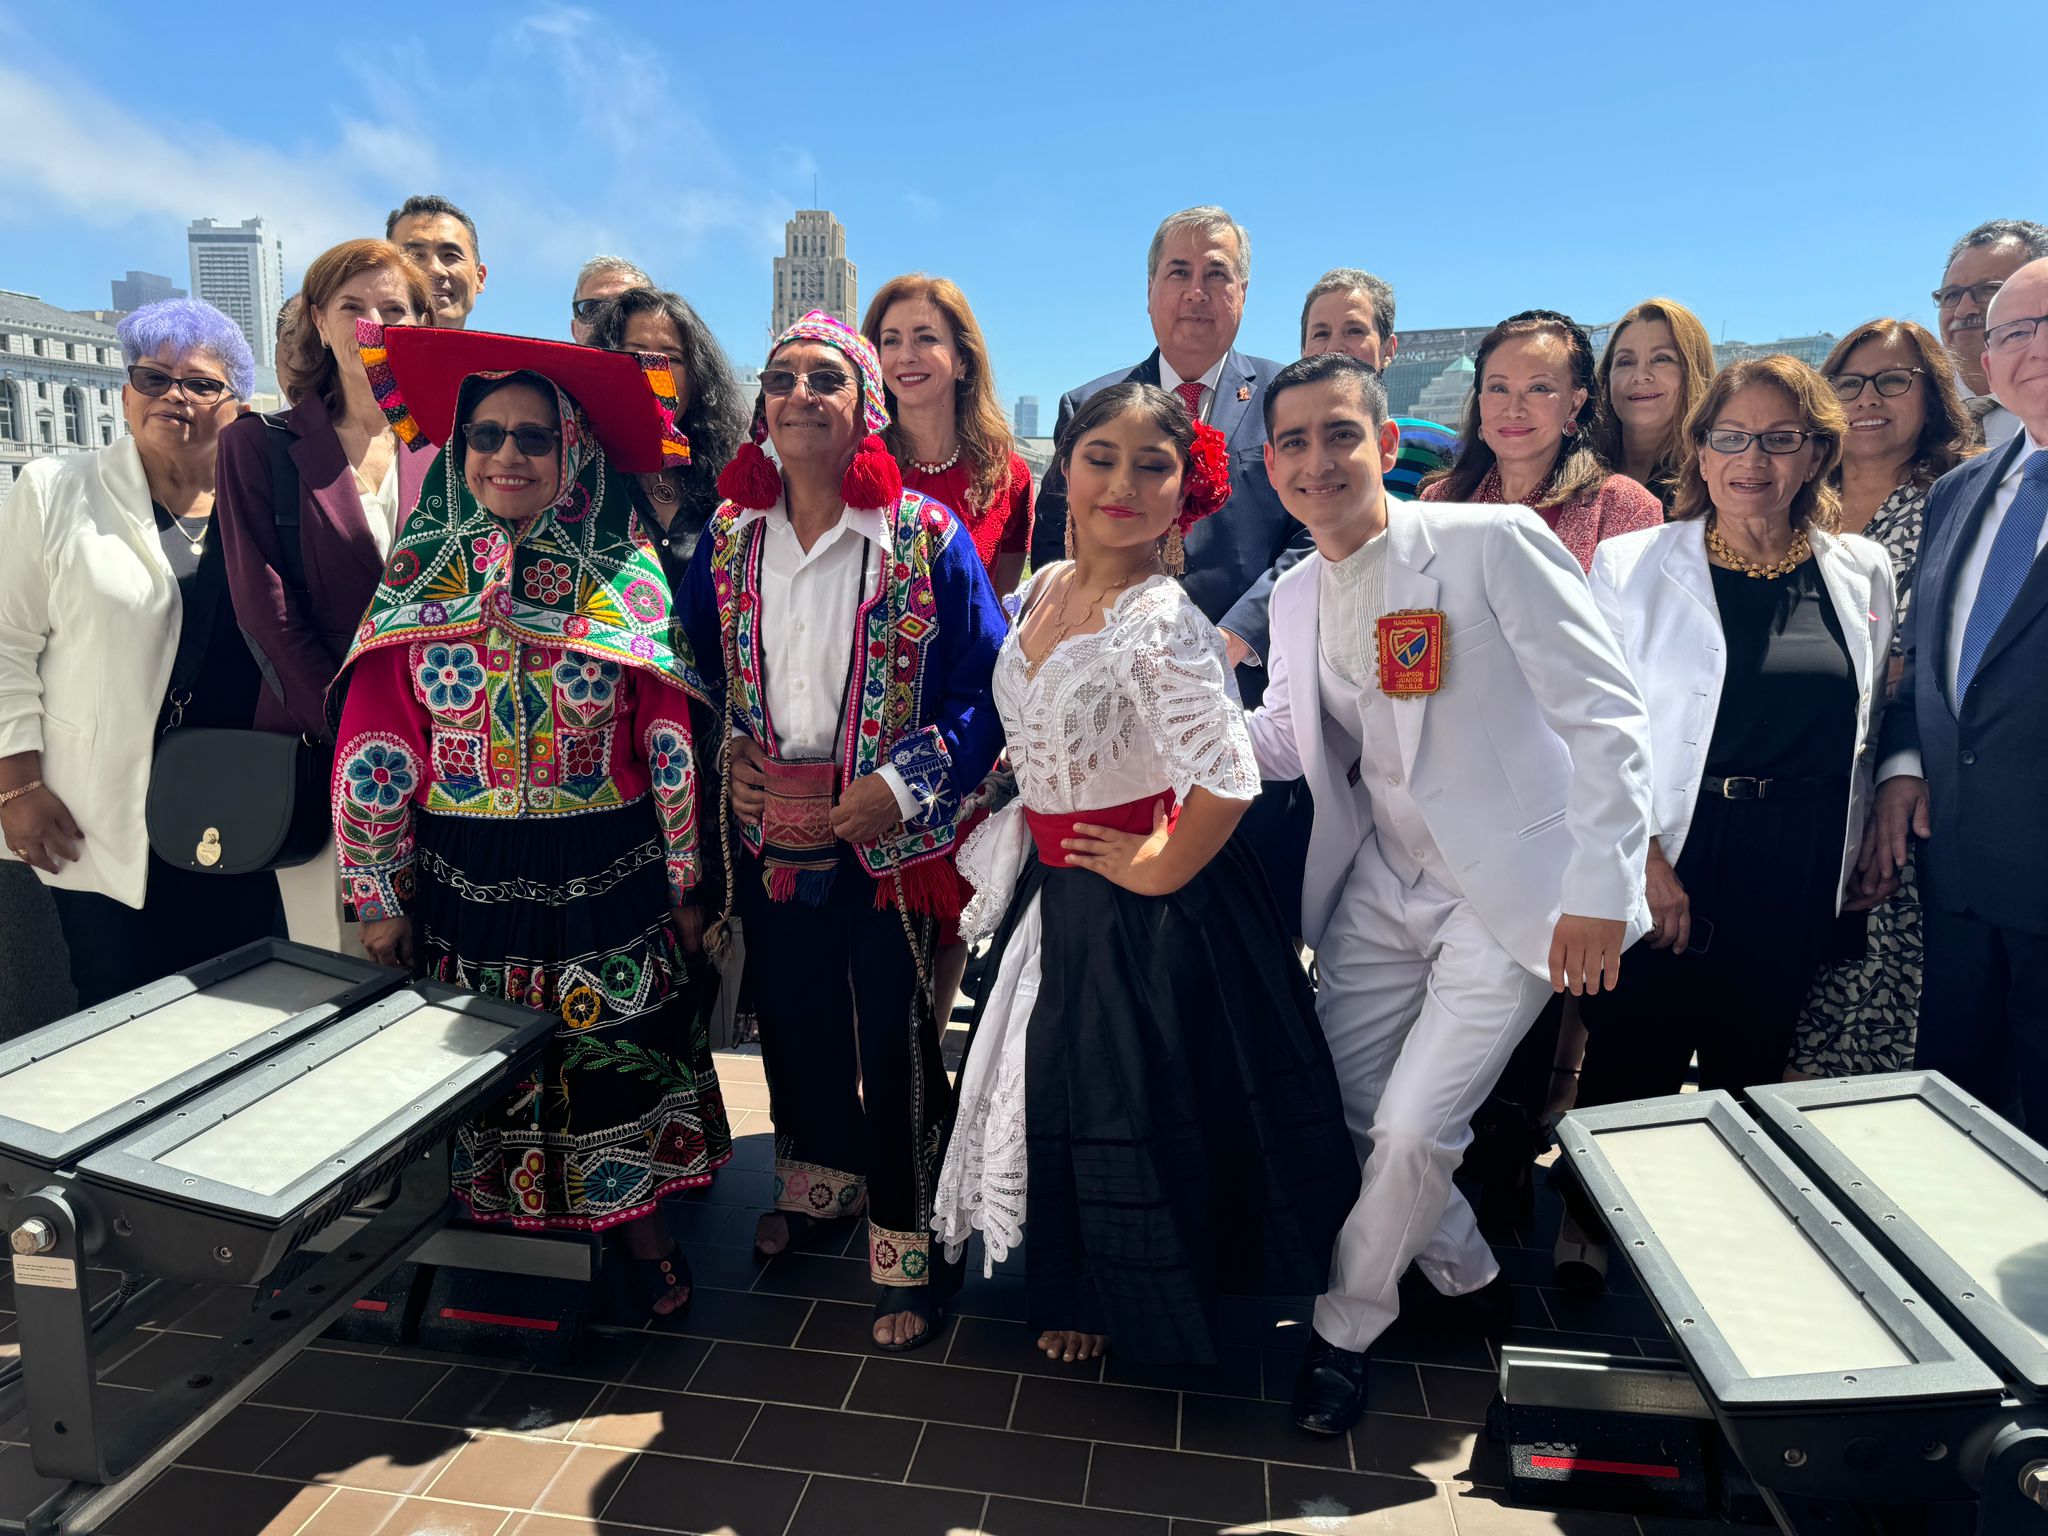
(848, 1329)
(1462, 1396)
(1030, 1517)
(505, 1470)
(822, 1440)
(1090, 1411)
(672, 1494)
(1000, 1296)
(1228, 1426)
(817, 1276)
(1391, 1385)
(673, 1423)
(605, 1354)
(1480, 1512)
(729, 1269)
(160, 1357)
(1430, 1346)
(585, 1484)
(350, 1383)
(1177, 1483)
(951, 1394)
(557, 1525)
(668, 1363)
(351, 1513)
(243, 1440)
(365, 1453)
(1319, 1502)
(1602, 1312)
(21, 1487)
(191, 1499)
(994, 1345)
(834, 1507)
(776, 1375)
(745, 1317)
(740, 1093)
(1236, 1373)
(1431, 1448)
(472, 1398)
(999, 1461)
(744, 1187)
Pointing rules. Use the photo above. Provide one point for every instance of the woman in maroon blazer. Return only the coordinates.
(355, 481)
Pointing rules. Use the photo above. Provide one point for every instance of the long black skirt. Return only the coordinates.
(1185, 1136)
(571, 916)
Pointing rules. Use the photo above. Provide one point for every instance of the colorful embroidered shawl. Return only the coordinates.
(580, 574)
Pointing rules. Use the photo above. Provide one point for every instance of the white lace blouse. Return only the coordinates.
(1146, 703)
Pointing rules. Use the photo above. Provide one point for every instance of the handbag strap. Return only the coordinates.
(278, 437)
(195, 630)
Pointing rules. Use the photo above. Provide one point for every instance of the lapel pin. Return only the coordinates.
(1244, 391)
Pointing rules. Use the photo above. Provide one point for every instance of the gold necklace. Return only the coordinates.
(1794, 556)
(1068, 626)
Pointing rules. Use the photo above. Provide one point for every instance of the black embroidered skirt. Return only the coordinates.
(572, 916)
(1185, 1136)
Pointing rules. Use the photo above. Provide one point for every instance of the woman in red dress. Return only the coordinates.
(948, 431)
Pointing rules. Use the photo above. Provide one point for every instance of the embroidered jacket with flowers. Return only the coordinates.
(919, 700)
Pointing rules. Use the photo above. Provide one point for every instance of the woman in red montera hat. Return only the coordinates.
(515, 798)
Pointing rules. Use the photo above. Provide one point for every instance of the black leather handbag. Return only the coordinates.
(239, 802)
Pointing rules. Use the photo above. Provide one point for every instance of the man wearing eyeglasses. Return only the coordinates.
(1978, 266)
(1964, 742)
(601, 279)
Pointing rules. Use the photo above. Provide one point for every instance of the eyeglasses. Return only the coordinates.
(1722, 441)
(1950, 297)
(2012, 334)
(585, 309)
(155, 383)
(824, 382)
(1893, 381)
(488, 437)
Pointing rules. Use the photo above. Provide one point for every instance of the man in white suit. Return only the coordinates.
(1479, 759)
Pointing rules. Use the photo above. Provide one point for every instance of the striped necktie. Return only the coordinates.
(2012, 556)
(1190, 392)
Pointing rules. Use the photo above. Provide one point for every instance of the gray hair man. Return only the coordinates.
(1979, 265)
(599, 280)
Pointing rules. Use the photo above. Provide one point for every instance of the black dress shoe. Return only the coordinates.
(1329, 1390)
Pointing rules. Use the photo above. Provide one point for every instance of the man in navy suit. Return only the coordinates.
(1196, 273)
(1966, 742)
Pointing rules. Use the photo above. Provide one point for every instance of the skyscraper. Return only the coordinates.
(239, 270)
(1026, 418)
(813, 272)
(140, 288)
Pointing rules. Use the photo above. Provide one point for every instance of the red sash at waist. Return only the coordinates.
(1051, 828)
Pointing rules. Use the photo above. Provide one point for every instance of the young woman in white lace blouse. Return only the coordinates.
(1146, 1082)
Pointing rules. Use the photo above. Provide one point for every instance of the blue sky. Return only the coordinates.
(1780, 168)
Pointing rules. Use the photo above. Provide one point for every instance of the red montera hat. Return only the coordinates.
(629, 400)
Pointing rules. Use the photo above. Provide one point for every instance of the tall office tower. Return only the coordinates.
(140, 288)
(239, 270)
(813, 272)
(1026, 420)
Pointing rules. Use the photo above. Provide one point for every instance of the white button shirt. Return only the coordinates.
(809, 598)
(1171, 381)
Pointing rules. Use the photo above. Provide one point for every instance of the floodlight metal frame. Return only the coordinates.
(1960, 1297)
(166, 1221)
(29, 1153)
(1794, 1432)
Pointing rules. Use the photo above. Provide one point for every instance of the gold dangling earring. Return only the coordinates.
(1070, 534)
(1176, 552)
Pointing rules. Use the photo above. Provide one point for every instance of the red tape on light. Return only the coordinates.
(503, 1320)
(1589, 1464)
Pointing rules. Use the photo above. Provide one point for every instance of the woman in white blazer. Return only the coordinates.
(1759, 640)
(116, 625)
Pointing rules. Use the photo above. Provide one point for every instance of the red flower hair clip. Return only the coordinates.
(1207, 485)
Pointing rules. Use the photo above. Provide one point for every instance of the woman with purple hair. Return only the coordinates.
(115, 627)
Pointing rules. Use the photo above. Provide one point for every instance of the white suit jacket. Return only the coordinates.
(1656, 591)
(1530, 765)
(89, 615)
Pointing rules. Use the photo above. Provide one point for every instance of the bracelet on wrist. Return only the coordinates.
(16, 793)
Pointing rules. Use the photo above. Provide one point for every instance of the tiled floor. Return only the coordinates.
(767, 1415)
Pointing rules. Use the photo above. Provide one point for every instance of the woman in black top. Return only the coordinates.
(1759, 637)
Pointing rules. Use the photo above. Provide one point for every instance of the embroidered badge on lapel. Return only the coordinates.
(1411, 652)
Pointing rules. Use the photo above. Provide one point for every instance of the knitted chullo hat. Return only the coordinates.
(872, 479)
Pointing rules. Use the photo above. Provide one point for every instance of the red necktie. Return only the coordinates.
(1190, 392)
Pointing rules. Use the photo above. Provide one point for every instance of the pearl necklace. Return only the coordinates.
(940, 468)
(1794, 556)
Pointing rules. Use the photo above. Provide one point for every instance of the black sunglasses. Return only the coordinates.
(533, 441)
(155, 383)
(583, 309)
(824, 382)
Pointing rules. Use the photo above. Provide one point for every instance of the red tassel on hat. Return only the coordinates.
(872, 480)
(751, 479)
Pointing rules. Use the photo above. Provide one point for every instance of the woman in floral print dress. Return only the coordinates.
(515, 795)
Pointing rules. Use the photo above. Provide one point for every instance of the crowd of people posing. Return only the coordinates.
(1313, 784)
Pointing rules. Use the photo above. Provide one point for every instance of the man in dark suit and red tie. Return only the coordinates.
(1965, 740)
(1197, 272)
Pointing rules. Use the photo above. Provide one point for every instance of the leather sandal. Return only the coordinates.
(659, 1278)
(916, 1300)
